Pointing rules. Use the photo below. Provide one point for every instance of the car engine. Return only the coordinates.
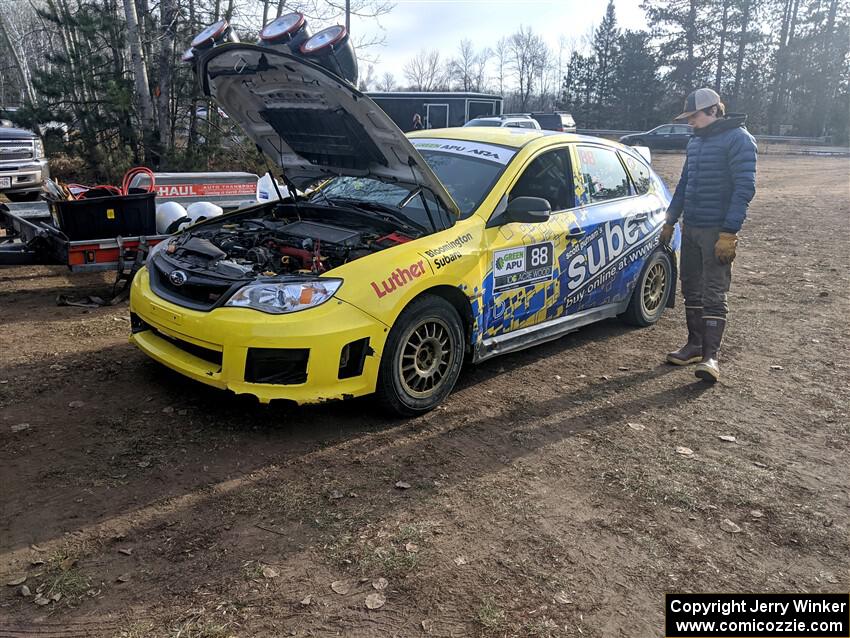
(293, 242)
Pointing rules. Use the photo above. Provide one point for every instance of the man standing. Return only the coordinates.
(717, 183)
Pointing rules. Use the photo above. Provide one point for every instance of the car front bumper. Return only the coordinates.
(24, 176)
(238, 349)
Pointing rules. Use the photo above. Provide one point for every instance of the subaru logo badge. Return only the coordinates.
(178, 277)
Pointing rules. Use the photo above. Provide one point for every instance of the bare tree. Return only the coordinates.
(424, 71)
(480, 77)
(501, 63)
(387, 82)
(18, 59)
(462, 68)
(140, 70)
(368, 80)
(527, 54)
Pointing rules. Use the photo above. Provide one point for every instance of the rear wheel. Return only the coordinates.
(651, 292)
(422, 358)
(637, 142)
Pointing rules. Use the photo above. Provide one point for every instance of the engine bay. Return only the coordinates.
(286, 240)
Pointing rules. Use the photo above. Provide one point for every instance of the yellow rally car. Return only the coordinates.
(413, 253)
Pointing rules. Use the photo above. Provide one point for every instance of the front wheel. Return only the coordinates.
(651, 292)
(422, 358)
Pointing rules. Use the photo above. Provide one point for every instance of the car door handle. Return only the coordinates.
(577, 233)
(641, 217)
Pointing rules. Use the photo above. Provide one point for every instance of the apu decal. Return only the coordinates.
(523, 265)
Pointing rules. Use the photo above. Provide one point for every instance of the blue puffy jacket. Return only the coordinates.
(718, 178)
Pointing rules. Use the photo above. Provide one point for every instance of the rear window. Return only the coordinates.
(468, 170)
(639, 172)
(478, 122)
(602, 173)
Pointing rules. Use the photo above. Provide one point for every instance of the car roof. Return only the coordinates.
(513, 137)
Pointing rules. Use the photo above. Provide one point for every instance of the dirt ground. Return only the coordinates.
(546, 497)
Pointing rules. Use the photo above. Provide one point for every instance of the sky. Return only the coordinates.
(441, 24)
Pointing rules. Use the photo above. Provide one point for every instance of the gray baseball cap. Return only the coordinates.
(698, 100)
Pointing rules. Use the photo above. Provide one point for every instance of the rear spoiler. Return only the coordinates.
(644, 153)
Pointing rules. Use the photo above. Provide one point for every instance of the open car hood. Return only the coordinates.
(312, 123)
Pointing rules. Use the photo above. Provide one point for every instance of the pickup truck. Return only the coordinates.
(23, 167)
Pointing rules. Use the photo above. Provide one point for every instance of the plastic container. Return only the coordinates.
(107, 217)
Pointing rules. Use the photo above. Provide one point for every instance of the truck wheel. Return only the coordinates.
(651, 292)
(23, 197)
(422, 358)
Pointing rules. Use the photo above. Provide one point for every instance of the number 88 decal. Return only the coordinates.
(539, 256)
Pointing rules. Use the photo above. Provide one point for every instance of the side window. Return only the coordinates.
(639, 172)
(664, 130)
(603, 174)
(682, 130)
(550, 177)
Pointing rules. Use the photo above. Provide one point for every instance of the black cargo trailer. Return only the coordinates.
(438, 110)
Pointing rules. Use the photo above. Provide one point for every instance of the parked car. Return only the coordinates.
(23, 167)
(556, 121)
(509, 121)
(415, 252)
(665, 136)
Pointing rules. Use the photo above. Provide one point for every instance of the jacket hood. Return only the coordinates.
(726, 123)
(312, 123)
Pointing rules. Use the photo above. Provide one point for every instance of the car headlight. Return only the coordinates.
(280, 298)
(157, 248)
(37, 149)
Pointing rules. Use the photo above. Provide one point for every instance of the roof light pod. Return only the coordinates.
(217, 33)
(288, 31)
(332, 49)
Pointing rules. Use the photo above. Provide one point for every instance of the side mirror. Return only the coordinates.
(527, 210)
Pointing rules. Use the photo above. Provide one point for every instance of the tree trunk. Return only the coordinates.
(742, 46)
(140, 73)
(166, 62)
(265, 12)
(690, 38)
(16, 58)
(724, 21)
(826, 85)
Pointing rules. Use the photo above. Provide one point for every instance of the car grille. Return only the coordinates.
(198, 293)
(15, 150)
(280, 366)
(212, 356)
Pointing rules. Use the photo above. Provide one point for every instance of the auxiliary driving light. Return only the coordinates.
(217, 33)
(332, 49)
(289, 31)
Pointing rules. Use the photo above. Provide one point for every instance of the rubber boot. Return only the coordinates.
(691, 352)
(712, 335)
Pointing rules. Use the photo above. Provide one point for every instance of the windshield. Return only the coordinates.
(483, 123)
(468, 170)
(376, 194)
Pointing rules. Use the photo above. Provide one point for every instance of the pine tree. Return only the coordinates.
(605, 52)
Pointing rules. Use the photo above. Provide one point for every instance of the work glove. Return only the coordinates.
(724, 249)
(667, 234)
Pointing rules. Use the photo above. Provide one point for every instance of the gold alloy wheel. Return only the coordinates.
(654, 285)
(425, 358)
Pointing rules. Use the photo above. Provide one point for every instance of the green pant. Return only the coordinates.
(705, 281)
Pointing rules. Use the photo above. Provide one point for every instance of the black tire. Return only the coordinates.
(428, 338)
(653, 289)
(637, 142)
(23, 197)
